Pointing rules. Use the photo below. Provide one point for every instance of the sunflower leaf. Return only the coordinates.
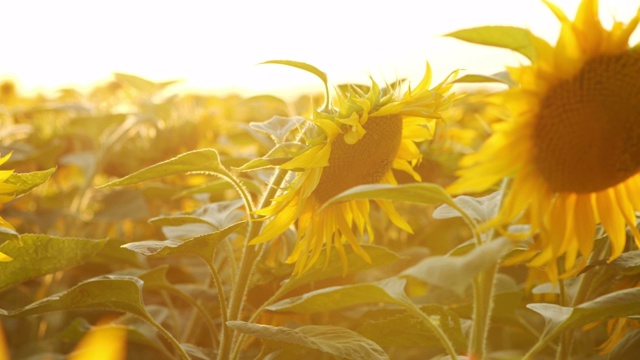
(340, 342)
(302, 66)
(308, 68)
(202, 246)
(216, 188)
(481, 209)
(178, 220)
(379, 256)
(108, 292)
(456, 272)
(628, 263)
(279, 155)
(50, 253)
(141, 84)
(404, 329)
(508, 37)
(278, 127)
(337, 297)
(197, 161)
(421, 193)
(621, 303)
(26, 182)
(501, 77)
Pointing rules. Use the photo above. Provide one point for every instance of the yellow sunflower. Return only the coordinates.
(573, 144)
(5, 195)
(359, 141)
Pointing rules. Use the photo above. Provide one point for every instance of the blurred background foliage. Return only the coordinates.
(86, 139)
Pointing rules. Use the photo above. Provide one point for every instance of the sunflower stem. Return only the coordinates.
(581, 295)
(247, 265)
(483, 306)
(444, 340)
(483, 289)
(277, 295)
(564, 345)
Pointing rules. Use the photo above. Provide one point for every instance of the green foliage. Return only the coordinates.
(337, 341)
(204, 161)
(517, 39)
(118, 223)
(49, 253)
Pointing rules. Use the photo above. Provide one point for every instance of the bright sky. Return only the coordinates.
(215, 45)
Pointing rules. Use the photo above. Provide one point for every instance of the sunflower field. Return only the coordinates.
(428, 220)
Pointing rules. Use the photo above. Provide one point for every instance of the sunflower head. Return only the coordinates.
(356, 139)
(572, 144)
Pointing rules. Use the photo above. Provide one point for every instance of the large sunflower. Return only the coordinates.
(359, 141)
(573, 145)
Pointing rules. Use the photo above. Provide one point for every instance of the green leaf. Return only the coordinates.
(339, 342)
(36, 255)
(216, 188)
(278, 127)
(405, 329)
(628, 263)
(108, 292)
(621, 303)
(123, 204)
(481, 209)
(308, 68)
(26, 182)
(420, 193)
(204, 220)
(178, 220)
(197, 161)
(276, 156)
(501, 77)
(456, 272)
(202, 246)
(379, 256)
(508, 37)
(507, 300)
(302, 66)
(140, 84)
(94, 127)
(338, 297)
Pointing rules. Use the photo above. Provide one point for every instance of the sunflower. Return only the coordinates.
(6, 191)
(572, 145)
(367, 133)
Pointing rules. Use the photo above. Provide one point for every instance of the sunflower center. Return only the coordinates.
(587, 131)
(365, 162)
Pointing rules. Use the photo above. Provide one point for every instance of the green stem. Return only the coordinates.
(244, 193)
(170, 338)
(564, 347)
(205, 316)
(581, 296)
(220, 289)
(247, 262)
(446, 343)
(483, 289)
(281, 291)
(483, 306)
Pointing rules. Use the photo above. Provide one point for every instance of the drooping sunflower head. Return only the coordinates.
(572, 146)
(360, 139)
